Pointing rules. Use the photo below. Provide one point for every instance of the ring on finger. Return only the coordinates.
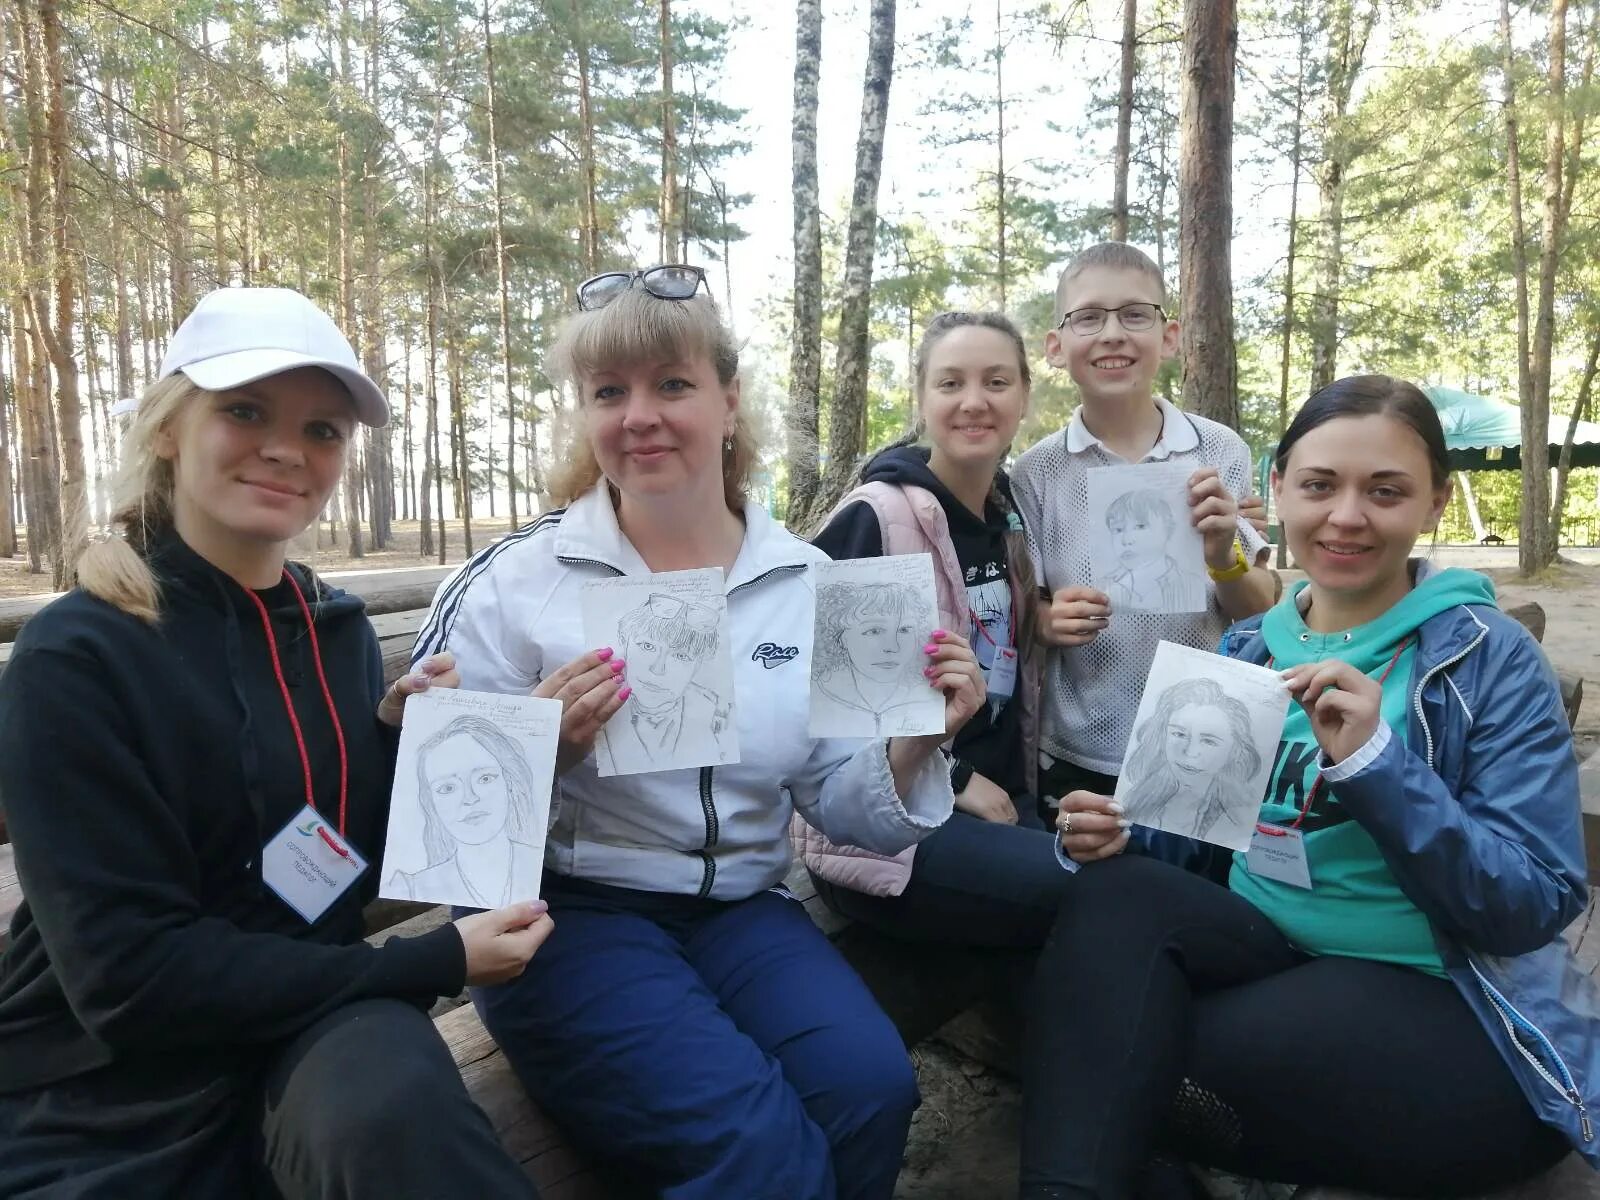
(1064, 823)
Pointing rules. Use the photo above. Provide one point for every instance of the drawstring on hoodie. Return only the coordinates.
(294, 721)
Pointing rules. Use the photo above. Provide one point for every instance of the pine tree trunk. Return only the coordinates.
(380, 442)
(1294, 232)
(1348, 33)
(847, 415)
(669, 220)
(1534, 482)
(8, 512)
(123, 384)
(408, 468)
(589, 192)
(500, 279)
(176, 210)
(805, 339)
(460, 448)
(1580, 412)
(1536, 420)
(1205, 210)
(1002, 265)
(1130, 51)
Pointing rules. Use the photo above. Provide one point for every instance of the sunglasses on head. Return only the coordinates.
(670, 282)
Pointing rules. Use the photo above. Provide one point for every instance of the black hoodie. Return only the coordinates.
(990, 743)
(142, 770)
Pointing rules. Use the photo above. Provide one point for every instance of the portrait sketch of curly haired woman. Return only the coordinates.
(868, 656)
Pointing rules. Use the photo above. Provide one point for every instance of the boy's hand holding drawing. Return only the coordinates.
(437, 671)
(1343, 705)
(591, 689)
(1075, 615)
(500, 942)
(1215, 513)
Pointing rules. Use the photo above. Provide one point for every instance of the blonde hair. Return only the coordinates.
(114, 568)
(1113, 256)
(638, 327)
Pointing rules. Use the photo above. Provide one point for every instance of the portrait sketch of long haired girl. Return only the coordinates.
(475, 790)
(1193, 765)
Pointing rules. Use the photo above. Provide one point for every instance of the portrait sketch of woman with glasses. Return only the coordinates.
(664, 642)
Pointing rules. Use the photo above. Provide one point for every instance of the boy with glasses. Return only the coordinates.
(1112, 334)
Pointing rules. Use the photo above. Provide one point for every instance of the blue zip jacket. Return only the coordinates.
(1477, 814)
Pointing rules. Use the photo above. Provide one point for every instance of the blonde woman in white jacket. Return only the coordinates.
(686, 1020)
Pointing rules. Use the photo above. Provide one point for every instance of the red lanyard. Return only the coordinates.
(988, 637)
(1316, 784)
(294, 721)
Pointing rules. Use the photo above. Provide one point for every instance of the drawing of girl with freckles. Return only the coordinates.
(1192, 763)
(476, 794)
(869, 643)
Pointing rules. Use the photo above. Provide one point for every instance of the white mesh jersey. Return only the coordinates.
(1091, 692)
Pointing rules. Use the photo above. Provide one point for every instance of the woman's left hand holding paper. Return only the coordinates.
(591, 690)
(954, 670)
(1342, 702)
(435, 671)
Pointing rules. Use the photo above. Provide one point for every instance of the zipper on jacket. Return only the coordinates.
(708, 808)
(1515, 1021)
(765, 575)
(1416, 699)
(590, 562)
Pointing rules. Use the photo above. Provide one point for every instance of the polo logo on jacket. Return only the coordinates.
(770, 654)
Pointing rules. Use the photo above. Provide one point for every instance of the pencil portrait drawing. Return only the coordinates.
(481, 827)
(677, 714)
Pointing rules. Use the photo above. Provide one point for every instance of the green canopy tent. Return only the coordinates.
(1484, 434)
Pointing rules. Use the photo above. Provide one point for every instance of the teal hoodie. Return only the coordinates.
(1355, 906)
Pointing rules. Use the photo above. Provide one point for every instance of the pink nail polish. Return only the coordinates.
(604, 653)
(618, 666)
(928, 671)
(939, 633)
(624, 693)
(929, 648)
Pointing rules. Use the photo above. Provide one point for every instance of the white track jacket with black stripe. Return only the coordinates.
(512, 614)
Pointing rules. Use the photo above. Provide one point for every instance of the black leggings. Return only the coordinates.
(1169, 1013)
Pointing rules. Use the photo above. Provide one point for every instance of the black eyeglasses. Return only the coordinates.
(1134, 318)
(670, 282)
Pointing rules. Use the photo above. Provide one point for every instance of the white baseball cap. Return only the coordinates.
(236, 335)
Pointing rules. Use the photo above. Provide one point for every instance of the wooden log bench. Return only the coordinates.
(922, 990)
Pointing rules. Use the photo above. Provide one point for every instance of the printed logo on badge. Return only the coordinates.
(770, 654)
(309, 865)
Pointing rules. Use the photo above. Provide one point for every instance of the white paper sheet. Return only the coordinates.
(671, 631)
(1202, 746)
(1147, 556)
(471, 800)
(874, 616)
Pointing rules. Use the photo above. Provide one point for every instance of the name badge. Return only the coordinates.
(309, 865)
(1280, 855)
(1002, 677)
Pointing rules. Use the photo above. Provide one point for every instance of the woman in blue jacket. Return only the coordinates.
(1380, 997)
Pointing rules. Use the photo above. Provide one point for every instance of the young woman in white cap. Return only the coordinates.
(195, 760)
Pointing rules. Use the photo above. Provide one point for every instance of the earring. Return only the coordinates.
(727, 444)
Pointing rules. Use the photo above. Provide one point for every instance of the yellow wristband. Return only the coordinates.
(1237, 570)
